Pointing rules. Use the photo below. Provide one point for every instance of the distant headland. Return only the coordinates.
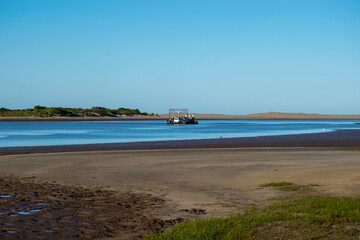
(42, 113)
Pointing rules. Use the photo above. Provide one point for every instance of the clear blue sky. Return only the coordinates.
(231, 57)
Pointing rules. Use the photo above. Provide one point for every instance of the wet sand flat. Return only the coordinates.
(218, 181)
(34, 209)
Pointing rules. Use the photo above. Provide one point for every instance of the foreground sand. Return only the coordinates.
(219, 181)
(35, 209)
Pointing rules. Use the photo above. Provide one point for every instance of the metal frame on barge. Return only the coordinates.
(186, 118)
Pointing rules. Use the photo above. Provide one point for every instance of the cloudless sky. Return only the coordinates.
(230, 57)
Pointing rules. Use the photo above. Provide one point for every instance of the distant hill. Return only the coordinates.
(275, 116)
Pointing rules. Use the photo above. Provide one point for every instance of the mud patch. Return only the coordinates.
(53, 211)
(196, 211)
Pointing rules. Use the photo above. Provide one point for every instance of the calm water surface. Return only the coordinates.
(61, 133)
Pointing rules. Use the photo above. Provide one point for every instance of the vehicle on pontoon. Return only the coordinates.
(186, 118)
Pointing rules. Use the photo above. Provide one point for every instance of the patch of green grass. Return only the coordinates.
(310, 217)
(285, 186)
(276, 184)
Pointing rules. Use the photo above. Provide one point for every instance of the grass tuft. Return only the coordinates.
(309, 217)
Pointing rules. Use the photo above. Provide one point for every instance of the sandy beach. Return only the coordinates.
(193, 183)
(220, 181)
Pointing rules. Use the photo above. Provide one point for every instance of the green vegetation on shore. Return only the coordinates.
(285, 186)
(300, 215)
(42, 111)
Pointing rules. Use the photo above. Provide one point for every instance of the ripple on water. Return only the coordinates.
(39, 204)
(24, 213)
(29, 212)
(35, 210)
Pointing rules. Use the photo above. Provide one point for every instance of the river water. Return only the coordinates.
(14, 134)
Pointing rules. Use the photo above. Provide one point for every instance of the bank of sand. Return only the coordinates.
(219, 181)
(274, 116)
(255, 116)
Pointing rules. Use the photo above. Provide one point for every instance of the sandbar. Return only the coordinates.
(220, 181)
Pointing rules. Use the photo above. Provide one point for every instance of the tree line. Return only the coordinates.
(42, 111)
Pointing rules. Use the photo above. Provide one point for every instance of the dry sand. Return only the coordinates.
(220, 181)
